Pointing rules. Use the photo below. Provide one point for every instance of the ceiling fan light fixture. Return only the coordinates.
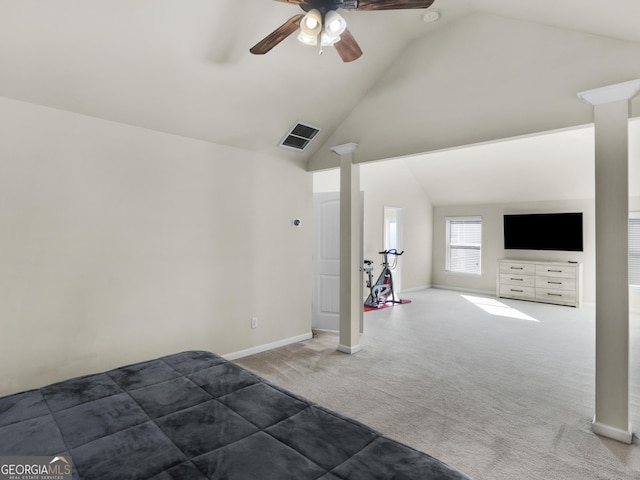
(327, 41)
(310, 27)
(307, 39)
(312, 22)
(334, 26)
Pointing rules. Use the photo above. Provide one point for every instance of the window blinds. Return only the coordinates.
(464, 244)
(634, 248)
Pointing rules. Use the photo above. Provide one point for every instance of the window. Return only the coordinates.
(464, 241)
(634, 249)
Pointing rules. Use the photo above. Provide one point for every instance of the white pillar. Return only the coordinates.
(611, 120)
(350, 280)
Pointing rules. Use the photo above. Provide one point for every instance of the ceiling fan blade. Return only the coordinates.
(277, 36)
(347, 47)
(390, 4)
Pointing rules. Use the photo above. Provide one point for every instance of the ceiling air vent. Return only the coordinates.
(299, 137)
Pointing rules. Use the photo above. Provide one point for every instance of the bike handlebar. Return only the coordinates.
(392, 251)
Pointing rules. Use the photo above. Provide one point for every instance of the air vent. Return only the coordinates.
(299, 137)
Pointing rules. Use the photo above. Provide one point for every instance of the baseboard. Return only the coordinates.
(624, 436)
(349, 350)
(313, 329)
(267, 346)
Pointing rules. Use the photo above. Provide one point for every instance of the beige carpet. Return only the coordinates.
(499, 392)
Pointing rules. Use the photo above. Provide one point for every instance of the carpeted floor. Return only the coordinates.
(498, 389)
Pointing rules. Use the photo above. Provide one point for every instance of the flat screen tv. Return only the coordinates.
(543, 231)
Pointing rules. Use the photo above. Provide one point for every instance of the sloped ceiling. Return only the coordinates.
(184, 67)
(482, 78)
(489, 69)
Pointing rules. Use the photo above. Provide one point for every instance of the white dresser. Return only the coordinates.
(548, 282)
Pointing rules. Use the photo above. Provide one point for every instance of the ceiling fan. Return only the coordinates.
(323, 25)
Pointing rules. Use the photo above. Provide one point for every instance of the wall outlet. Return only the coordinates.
(254, 322)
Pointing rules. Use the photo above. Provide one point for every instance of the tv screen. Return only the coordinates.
(543, 231)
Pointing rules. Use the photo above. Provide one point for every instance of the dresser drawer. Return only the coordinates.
(515, 267)
(515, 291)
(556, 296)
(556, 270)
(556, 283)
(517, 279)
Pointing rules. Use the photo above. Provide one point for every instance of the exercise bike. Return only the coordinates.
(382, 291)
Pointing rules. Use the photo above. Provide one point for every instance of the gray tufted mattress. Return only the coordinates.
(195, 415)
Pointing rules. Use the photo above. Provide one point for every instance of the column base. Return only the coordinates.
(624, 436)
(349, 350)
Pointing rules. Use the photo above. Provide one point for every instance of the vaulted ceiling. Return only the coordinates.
(488, 69)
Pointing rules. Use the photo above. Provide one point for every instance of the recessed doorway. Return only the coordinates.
(392, 230)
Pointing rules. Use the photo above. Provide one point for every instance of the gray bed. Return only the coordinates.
(195, 415)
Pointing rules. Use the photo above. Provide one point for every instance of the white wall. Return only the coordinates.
(421, 218)
(119, 244)
(493, 243)
(492, 238)
(391, 184)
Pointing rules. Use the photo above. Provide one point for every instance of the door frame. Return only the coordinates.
(388, 213)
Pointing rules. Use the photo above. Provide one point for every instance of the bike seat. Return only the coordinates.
(368, 262)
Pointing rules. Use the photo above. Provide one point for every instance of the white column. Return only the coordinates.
(350, 281)
(611, 120)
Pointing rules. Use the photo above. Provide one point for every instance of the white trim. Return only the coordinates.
(349, 350)
(328, 330)
(344, 149)
(624, 436)
(461, 274)
(464, 218)
(611, 93)
(267, 346)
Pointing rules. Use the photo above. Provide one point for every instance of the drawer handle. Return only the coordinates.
(554, 294)
(518, 279)
(554, 271)
(555, 283)
(516, 268)
(514, 290)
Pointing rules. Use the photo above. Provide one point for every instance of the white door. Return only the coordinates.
(392, 219)
(326, 261)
